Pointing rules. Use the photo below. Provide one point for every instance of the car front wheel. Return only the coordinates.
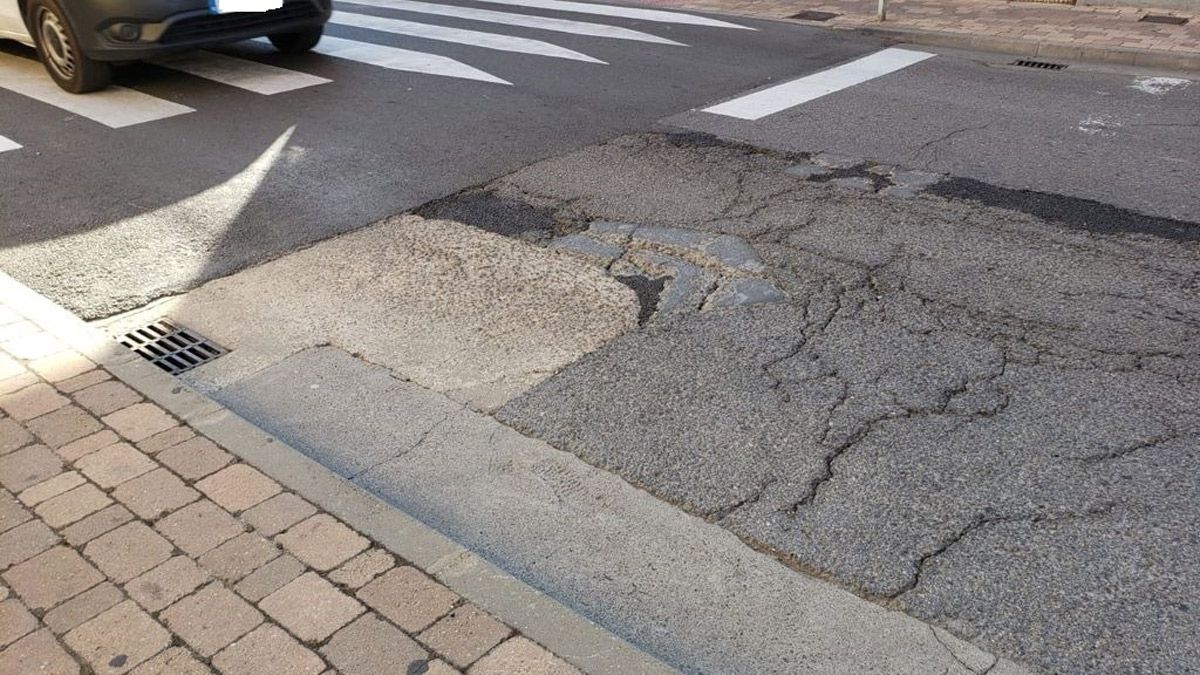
(300, 41)
(58, 48)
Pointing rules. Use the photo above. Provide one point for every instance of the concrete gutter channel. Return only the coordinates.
(726, 608)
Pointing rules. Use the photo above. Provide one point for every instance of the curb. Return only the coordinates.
(543, 619)
(1125, 56)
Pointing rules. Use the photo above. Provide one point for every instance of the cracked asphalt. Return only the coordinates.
(981, 411)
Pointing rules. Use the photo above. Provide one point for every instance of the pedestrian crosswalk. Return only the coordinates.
(259, 78)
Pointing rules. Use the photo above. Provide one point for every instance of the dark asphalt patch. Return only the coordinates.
(501, 215)
(648, 292)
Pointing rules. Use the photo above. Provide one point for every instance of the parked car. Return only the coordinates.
(80, 40)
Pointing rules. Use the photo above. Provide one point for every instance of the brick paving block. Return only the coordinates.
(369, 646)
(9, 367)
(61, 366)
(199, 526)
(195, 458)
(238, 487)
(119, 639)
(40, 653)
(322, 542)
(128, 551)
(32, 496)
(173, 661)
(15, 329)
(239, 556)
(153, 494)
(115, 464)
(68, 423)
(211, 618)
(25, 541)
(165, 439)
(269, 578)
(311, 607)
(362, 568)
(33, 346)
(32, 401)
(97, 524)
(268, 649)
(87, 445)
(107, 397)
(74, 384)
(72, 505)
(13, 436)
(166, 583)
(440, 667)
(28, 467)
(83, 607)
(15, 621)
(409, 598)
(464, 635)
(12, 513)
(16, 383)
(521, 655)
(139, 421)
(278, 514)
(51, 577)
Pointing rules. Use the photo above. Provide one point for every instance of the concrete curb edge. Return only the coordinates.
(543, 619)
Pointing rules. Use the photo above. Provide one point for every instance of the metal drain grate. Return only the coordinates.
(172, 347)
(813, 15)
(1041, 65)
(1164, 18)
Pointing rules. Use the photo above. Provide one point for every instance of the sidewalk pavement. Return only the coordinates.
(1050, 31)
(129, 542)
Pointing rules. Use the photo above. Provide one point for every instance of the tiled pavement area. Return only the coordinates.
(128, 543)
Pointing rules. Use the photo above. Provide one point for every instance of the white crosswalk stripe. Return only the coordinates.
(8, 144)
(523, 20)
(395, 58)
(260, 78)
(658, 15)
(114, 107)
(460, 36)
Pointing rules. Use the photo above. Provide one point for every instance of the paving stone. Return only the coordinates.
(12, 513)
(16, 329)
(15, 621)
(199, 526)
(33, 346)
(28, 467)
(211, 618)
(72, 505)
(167, 583)
(268, 649)
(165, 439)
(409, 598)
(806, 171)
(83, 607)
(362, 568)
(440, 667)
(61, 366)
(269, 578)
(153, 494)
(40, 653)
(464, 635)
(115, 464)
(173, 661)
(278, 513)
(672, 237)
(107, 397)
(239, 556)
(17, 383)
(32, 401)
(322, 542)
(734, 252)
(740, 292)
(119, 639)
(195, 458)
(521, 655)
(32, 496)
(238, 487)
(311, 607)
(82, 381)
(51, 577)
(87, 445)
(139, 421)
(9, 367)
(611, 231)
(97, 524)
(128, 551)
(25, 541)
(13, 436)
(369, 646)
(591, 249)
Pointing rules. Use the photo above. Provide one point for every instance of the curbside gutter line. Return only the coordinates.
(543, 619)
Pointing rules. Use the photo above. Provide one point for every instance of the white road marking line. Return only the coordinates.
(114, 107)
(259, 78)
(789, 94)
(625, 12)
(400, 59)
(524, 20)
(7, 144)
(458, 35)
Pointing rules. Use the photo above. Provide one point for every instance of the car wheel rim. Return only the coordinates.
(56, 44)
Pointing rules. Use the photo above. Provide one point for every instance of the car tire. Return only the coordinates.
(59, 50)
(300, 41)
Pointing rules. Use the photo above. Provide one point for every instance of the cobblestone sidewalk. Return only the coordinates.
(129, 543)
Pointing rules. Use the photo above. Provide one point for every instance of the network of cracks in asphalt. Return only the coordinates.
(982, 409)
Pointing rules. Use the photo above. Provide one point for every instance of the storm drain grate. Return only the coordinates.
(813, 15)
(172, 347)
(1164, 18)
(1041, 65)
